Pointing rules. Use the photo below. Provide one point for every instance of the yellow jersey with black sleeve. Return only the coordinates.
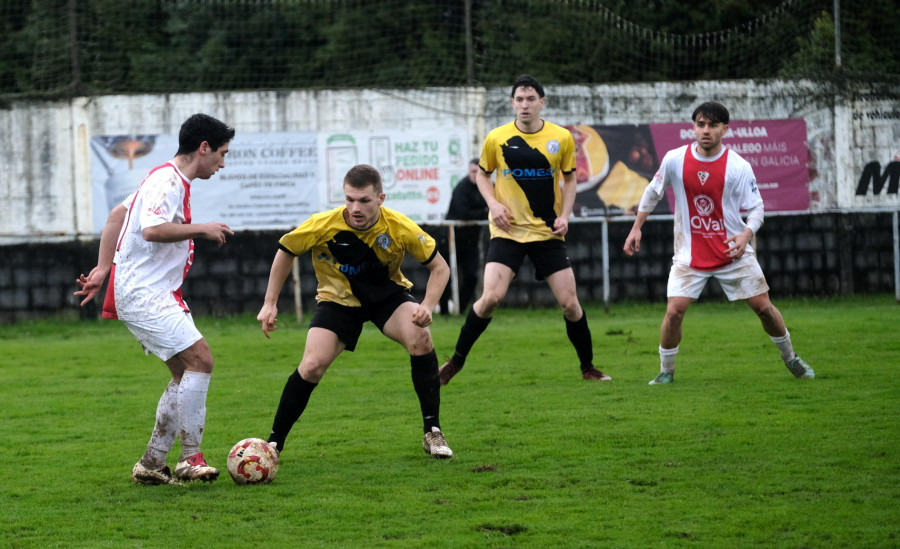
(358, 268)
(529, 170)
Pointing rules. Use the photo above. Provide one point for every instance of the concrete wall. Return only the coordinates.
(45, 187)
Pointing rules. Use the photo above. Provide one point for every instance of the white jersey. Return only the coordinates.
(709, 196)
(147, 276)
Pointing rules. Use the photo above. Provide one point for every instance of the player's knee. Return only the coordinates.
(765, 311)
(419, 343)
(571, 308)
(312, 369)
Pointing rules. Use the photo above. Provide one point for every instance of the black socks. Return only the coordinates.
(428, 388)
(294, 399)
(471, 330)
(580, 335)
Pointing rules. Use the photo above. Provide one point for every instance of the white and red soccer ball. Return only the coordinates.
(253, 461)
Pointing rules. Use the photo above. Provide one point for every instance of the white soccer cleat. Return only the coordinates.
(195, 468)
(435, 445)
(150, 477)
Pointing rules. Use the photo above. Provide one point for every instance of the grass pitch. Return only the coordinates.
(735, 453)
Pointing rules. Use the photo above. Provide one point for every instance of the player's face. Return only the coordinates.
(363, 206)
(709, 135)
(212, 161)
(527, 104)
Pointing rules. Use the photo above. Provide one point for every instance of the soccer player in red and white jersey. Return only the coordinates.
(712, 184)
(148, 261)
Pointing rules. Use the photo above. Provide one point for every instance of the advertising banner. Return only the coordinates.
(615, 163)
(418, 168)
(269, 180)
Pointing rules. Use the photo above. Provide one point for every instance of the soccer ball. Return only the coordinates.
(253, 461)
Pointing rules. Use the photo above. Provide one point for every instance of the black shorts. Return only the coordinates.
(547, 256)
(347, 322)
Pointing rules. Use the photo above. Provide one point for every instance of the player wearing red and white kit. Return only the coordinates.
(148, 262)
(147, 276)
(712, 184)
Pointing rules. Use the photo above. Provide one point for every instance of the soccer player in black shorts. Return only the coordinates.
(529, 216)
(357, 251)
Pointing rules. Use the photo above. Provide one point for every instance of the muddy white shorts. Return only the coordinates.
(742, 279)
(165, 336)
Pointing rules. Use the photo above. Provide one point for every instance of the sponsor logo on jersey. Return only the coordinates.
(704, 204)
(705, 207)
(529, 173)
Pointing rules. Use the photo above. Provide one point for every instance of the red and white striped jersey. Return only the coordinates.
(709, 196)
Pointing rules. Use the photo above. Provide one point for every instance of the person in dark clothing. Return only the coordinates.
(466, 204)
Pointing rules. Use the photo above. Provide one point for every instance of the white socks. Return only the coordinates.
(165, 430)
(785, 346)
(192, 411)
(667, 359)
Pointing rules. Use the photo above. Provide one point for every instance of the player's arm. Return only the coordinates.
(91, 283)
(499, 214)
(633, 242)
(651, 197)
(737, 244)
(281, 267)
(570, 186)
(176, 232)
(438, 275)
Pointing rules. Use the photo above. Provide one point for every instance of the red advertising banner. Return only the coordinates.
(615, 163)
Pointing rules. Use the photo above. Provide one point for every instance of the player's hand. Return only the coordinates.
(501, 216)
(633, 242)
(217, 232)
(268, 317)
(561, 226)
(421, 317)
(737, 244)
(90, 284)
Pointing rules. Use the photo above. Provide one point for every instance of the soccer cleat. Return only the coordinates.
(435, 445)
(663, 377)
(594, 374)
(149, 477)
(447, 371)
(195, 468)
(800, 368)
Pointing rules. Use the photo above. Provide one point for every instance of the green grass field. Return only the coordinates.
(735, 453)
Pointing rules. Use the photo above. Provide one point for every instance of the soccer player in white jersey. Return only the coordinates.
(148, 262)
(712, 184)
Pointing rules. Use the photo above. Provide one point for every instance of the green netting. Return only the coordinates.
(80, 47)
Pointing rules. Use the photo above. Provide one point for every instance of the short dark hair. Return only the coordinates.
(712, 111)
(202, 127)
(474, 160)
(363, 175)
(526, 81)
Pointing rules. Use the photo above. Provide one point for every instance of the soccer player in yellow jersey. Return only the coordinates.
(357, 251)
(529, 216)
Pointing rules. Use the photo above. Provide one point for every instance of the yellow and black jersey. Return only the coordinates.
(358, 268)
(529, 170)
